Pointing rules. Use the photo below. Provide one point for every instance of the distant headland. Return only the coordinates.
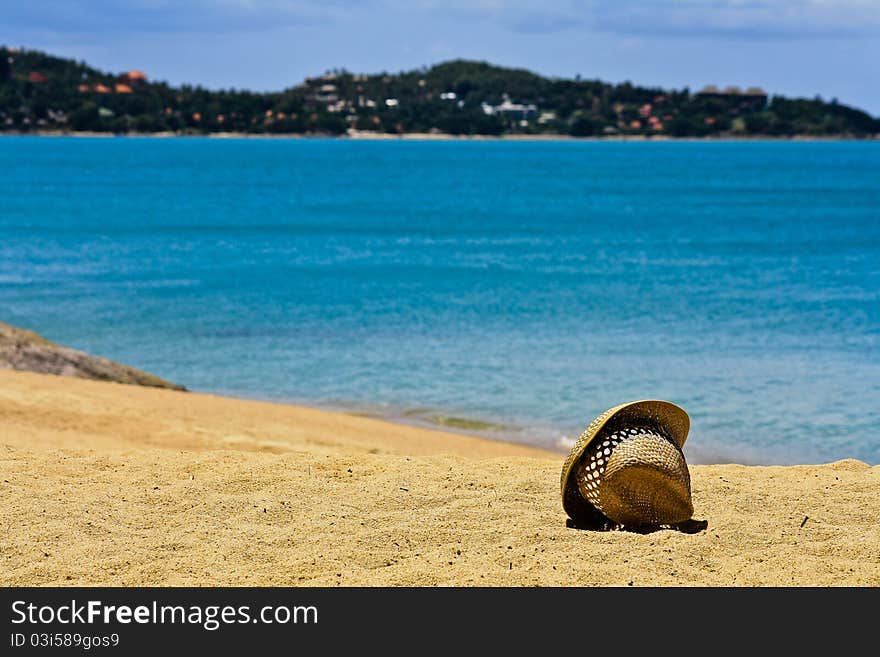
(41, 93)
(29, 352)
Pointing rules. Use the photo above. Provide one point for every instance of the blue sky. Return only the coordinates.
(795, 47)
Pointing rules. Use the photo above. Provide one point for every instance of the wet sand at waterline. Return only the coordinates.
(111, 484)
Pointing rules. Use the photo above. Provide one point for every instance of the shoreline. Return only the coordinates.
(27, 351)
(427, 418)
(141, 401)
(547, 440)
(462, 435)
(108, 484)
(419, 136)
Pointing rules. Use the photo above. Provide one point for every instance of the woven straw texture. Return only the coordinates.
(638, 482)
(636, 476)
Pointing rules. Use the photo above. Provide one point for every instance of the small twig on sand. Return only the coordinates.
(804, 521)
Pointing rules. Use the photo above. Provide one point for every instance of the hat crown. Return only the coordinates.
(628, 466)
(636, 476)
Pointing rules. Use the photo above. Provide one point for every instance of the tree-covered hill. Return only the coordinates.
(40, 92)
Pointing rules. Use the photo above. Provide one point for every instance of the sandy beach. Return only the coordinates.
(112, 484)
(367, 135)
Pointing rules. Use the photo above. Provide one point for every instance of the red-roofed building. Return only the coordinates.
(36, 77)
(123, 89)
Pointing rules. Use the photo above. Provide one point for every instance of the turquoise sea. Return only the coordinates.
(525, 285)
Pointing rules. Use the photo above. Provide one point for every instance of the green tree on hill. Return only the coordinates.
(41, 92)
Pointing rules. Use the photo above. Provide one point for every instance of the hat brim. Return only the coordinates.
(663, 415)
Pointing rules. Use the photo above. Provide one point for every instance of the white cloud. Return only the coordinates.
(157, 16)
(740, 18)
(667, 18)
(672, 18)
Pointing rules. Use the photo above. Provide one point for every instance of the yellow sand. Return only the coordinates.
(109, 484)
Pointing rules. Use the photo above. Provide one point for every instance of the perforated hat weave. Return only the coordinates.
(628, 467)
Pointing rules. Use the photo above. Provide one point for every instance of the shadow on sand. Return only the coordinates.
(604, 525)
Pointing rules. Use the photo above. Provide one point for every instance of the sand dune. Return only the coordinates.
(111, 484)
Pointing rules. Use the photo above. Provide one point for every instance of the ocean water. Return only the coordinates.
(515, 289)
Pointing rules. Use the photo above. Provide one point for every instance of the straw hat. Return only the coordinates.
(628, 467)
